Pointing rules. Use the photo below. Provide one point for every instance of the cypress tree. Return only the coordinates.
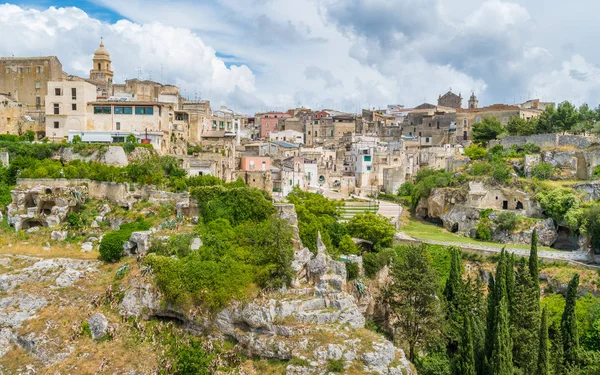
(558, 355)
(568, 323)
(490, 324)
(502, 362)
(466, 354)
(453, 284)
(524, 320)
(543, 367)
(510, 279)
(534, 271)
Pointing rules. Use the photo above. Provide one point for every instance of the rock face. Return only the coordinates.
(112, 155)
(98, 326)
(546, 231)
(43, 206)
(139, 243)
(57, 235)
(590, 190)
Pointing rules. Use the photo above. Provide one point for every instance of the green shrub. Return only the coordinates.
(335, 365)
(483, 230)
(507, 220)
(373, 262)
(475, 152)
(76, 139)
(192, 359)
(85, 329)
(542, 171)
(347, 246)
(352, 271)
(406, 189)
(129, 147)
(372, 227)
(500, 171)
(480, 168)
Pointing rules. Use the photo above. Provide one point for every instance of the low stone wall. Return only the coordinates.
(540, 140)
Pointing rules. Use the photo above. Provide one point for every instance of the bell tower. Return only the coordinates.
(101, 69)
(473, 101)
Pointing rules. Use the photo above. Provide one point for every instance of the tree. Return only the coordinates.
(543, 364)
(412, 298)
(534, 271)
(486, 130)
(568, 323)
(515, 124)
(558, 355)
(372, 227)
(454, 299)
(466, 356)
(502, 362)
(524, 316)
(76, 139)
(557, 202)
(566, 117)
(545, 121)
(131, 138)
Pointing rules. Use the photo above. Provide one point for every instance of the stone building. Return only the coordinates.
(465, 118)
(473, 102)
(101, 73)
(12, 117)
(433, 125)
(25, 79)
(450, 100)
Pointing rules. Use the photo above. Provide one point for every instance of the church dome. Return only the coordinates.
(101, 52)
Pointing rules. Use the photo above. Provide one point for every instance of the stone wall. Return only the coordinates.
(393, 178)
(540, 140)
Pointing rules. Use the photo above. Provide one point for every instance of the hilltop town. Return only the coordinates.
(142, 232)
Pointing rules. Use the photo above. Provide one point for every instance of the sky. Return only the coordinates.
(259, 55)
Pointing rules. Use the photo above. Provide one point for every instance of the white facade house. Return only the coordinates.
(291, 136)
(66, 104)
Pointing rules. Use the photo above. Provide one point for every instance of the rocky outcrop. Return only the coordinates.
(110, 155)
(590, 190)
(546, 232)
(43, 205)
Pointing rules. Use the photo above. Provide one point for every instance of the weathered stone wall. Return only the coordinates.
(540, 140)
(578, 141)
(393, 178)
(4, 159)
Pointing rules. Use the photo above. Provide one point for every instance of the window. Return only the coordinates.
(56, 124)
(102, 110)
(38, 69)
(21, 70)
(426, 139)
(291, 183)
(56, 108)
(118, 126)
(57, 91)
(144, 110)
(264, 167)
(309, 132)
(367, 158)
(369, 168)
(37, 85)
(73, 93)
(28, 70)
(38, 101)
(251, 165)
(419, 134)
(429, 124)
(74, 106)
(228, 125)
(214, 123)
(222, 123)
(465, 122)
(438, 124)
(99, 66)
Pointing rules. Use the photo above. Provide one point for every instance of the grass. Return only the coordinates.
(426, 231)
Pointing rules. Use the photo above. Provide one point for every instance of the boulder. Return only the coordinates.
(196, 244)
(57, 235)
(142, 241)
(105, 209)
(33, 229)
(95, 224)
(98, 326)
(379, 359)
(87, 246)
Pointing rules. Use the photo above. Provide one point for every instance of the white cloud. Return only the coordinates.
(177, 54)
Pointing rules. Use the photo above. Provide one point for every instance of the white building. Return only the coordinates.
(291, 136)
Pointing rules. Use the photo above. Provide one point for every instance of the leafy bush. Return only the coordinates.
(542, 171)
(483, 230)
(373, 262)
(129, 147)
(192, 359)
(372, 227)
(335, 365)
(507, 220)
(347, 246)
(500, 171)
(406, 189)
(480, 168)
(428, 179)
(475, 152)
(486, 130)
(557, 202)
(352, 271)
(76, 139)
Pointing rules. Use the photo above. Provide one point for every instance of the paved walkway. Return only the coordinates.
(576, 257)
